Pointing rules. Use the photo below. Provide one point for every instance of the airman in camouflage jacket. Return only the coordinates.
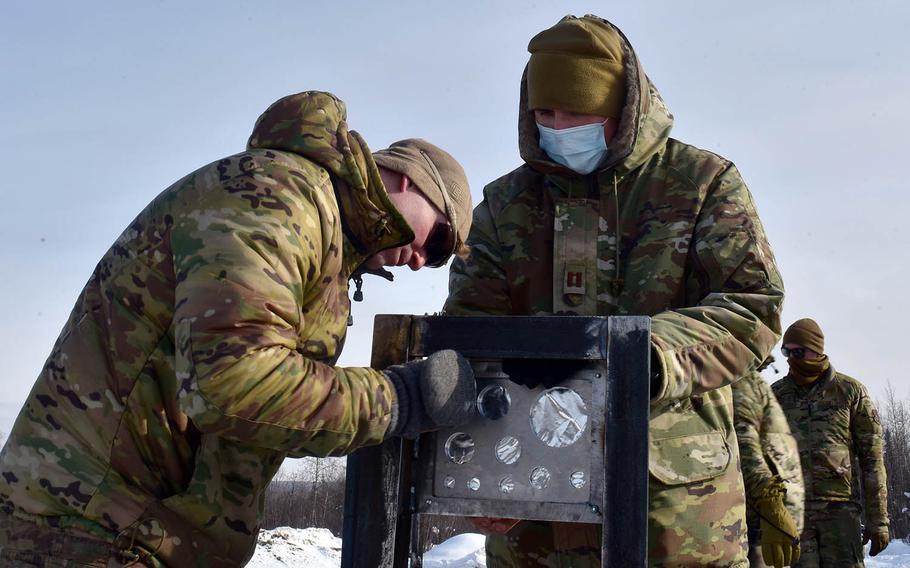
(768, 451)
(661, 229)
(201, 352)
(837, 427)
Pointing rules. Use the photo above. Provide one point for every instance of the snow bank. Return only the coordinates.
(318, 548)
(461, 551)
(284, 546)
(897, 555)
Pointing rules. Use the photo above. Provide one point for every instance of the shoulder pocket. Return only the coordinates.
(686, 459)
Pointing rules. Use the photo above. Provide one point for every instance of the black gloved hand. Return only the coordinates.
(432, 393)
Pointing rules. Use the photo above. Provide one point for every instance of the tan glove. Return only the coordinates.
(779, 537)
(880, 537)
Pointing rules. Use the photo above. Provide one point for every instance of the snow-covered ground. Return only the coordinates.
(896, 555)
(317, 548)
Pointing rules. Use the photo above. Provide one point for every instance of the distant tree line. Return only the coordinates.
(895, 415)
(310, 494)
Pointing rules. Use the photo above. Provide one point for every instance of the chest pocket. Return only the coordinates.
(787, 402)
(575, 272)
(833, 412)
(687, 459)
(832, 463)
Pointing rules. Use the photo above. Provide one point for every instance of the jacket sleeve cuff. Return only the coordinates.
(399, 407)
(666, 382)
(881, 521)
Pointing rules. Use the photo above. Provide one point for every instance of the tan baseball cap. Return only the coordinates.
(438, 176)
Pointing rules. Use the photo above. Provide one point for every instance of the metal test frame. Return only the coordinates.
(390, 486)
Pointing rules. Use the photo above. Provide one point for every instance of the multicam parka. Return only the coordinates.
(661, 229)
(201, 351)
(768, 450)
(837, 428)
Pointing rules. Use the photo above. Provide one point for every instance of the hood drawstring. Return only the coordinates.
(358, 295)
(358, 284)
(357, 277)
(618, 283)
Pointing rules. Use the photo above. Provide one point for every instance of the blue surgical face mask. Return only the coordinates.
(580, 148)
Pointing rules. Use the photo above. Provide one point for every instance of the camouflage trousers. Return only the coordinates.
(27, 545)
(831, 536)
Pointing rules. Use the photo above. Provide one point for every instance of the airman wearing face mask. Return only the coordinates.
(609, 215)
(836, 427)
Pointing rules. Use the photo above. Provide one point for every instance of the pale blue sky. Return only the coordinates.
(103, 104)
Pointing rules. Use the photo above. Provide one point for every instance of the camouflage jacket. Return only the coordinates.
(662, 229)
(835, 424)
(201, 351)
(767, 449)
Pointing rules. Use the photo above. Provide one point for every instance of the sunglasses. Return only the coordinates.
(440, 244)
(798, 353)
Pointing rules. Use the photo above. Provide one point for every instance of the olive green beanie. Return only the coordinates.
(577, 66)
(438, 176)
(807, 333)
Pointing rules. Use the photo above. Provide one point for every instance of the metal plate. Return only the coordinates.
(549, 462)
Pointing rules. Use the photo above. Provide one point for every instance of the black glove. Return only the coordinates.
(432, 393)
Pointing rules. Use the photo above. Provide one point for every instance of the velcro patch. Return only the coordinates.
(574, 279)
